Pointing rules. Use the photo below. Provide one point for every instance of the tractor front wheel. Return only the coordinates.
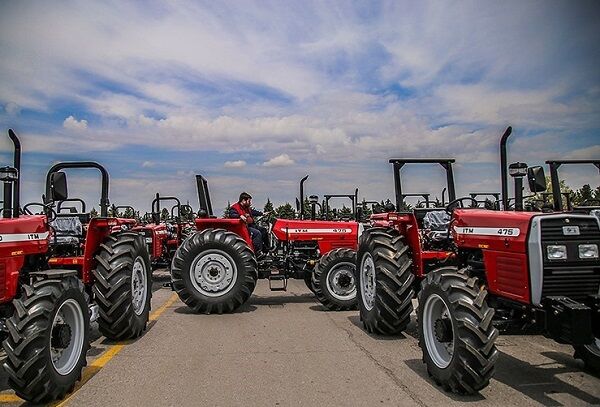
(456, 332)
(214, 271)
(123, 286)
(48, 339)
(590, 354)
(384, 281)
(334, 280)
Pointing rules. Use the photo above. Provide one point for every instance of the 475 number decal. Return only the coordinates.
(463, 230)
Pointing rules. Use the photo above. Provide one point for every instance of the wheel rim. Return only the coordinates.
(139, 286)
(436, 314)
(66, 337)
(213, 273)
(594, 347)
(341, 283)
(367, 281)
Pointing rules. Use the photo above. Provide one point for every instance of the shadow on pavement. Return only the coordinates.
(537, 382)
(417, 366)
(355, 320)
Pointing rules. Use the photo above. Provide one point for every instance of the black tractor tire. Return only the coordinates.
(31, 372)
(231, 252)
(590, 354)
(392, 304)
(468, 367)
(119, 257)
(308, 281)
(331, 262)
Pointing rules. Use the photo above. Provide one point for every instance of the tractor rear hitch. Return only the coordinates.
(169, 284)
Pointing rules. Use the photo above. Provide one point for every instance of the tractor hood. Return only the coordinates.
(285, 229)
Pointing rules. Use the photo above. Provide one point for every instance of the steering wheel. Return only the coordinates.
(452, 205)
(47, 210)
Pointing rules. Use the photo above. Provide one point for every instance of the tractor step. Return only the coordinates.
(278, 277)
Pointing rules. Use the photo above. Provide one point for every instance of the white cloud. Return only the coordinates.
(235, 164)
(148, 164)
(72, 123)
(12, 109)
(282, 160)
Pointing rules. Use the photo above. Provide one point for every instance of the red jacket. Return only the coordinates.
(236, 211)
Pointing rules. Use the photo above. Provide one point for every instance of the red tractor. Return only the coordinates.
(57, 273)
(215, 270)
(164, 237)
(479, 272)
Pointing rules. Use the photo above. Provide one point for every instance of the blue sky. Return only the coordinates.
(254, 95)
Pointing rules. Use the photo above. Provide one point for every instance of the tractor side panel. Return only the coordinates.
(328, 235)
(236, 226)
(507, 274)
(493, 230)
(26, 235)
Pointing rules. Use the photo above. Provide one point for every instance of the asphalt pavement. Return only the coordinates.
(284, 349)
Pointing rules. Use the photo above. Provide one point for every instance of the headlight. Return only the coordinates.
(588, 251)
(557, 252)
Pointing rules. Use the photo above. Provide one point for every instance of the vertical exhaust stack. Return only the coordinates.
(302, 181)
(17, 164)
(504, 167)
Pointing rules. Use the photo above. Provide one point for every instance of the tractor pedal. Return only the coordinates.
(278, 277)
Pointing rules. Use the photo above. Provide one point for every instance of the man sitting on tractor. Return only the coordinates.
(243, 210)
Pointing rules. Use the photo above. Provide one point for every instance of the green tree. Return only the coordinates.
(269, 208)
(345, 212)
(584, 194)
(129, 213)
(285, 211)
(94, 213)
(113, 212)
(164, 214)
(226, 210)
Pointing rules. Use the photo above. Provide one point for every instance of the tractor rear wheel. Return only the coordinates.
(334, 280)
(123, 286)
(214, 271)
(47, 339)
(456, 332)
(384, 281)
(590, 354)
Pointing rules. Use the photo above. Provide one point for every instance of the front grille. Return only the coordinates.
(552, 229)
(574, 278)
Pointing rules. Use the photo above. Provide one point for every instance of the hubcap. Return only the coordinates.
(438, 331)
(213, 273)
(139, 286)
(67, 335)
(340, 281)
(367, 281)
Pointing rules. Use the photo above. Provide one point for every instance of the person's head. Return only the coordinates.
(245, 200)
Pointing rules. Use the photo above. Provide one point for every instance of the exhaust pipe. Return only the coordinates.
(17, 164)
(504, 167)
(302, 181)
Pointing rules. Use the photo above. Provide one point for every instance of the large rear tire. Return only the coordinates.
(214, 271)
(334, 280)
(590, 354)
(47, 339)
(123, 286)
(384, 281)
(456, 332)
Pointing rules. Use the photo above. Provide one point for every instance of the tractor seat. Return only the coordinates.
(67, 230)
(437, 223)
(83, 217)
